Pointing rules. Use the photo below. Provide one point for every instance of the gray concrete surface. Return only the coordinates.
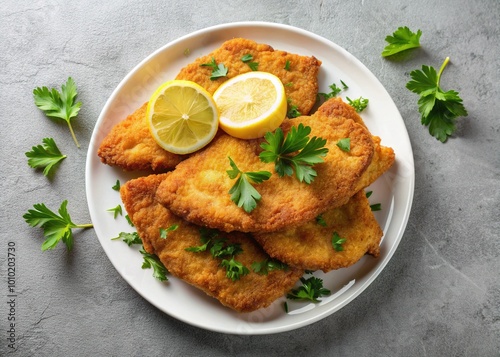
(438, 296)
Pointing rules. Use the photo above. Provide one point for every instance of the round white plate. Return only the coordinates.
(394, 190)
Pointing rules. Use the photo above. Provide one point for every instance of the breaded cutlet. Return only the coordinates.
(130, 146)
(248, 293)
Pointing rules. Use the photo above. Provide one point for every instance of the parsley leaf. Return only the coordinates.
(243, 193)
(164, 231)
(45, 156)
(129, 221)
(218, 70)
(149, 260)
(359, 104)
(56, 227)
(59, 105)
(376, 207)
(321, 221)
(267, 265)
(234, 269)
(311, 289)
(129, 238)
(248, 60)
(344, 144)
(334, 91)
(287, 65)
(337, 242)
(116, 211)
(279, 149)
(152, 261)
(293, 110)
(401, 40)
(220, 248)
(438, 108)
(116, 186)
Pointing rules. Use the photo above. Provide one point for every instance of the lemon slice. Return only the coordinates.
(182, 116)
(251, 104)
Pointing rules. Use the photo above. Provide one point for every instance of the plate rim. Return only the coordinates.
(235, 25)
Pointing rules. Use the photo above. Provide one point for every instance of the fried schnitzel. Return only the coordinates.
(298, 73)
(309, 246)
(383, 156)
(129, 144)
(197, 190)
(249, 293)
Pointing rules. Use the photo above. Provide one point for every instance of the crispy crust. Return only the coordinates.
(197, 190)
(130, 145)
(249, 293)
(309, 246)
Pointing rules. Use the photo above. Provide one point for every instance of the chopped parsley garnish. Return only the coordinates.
(56, 227)
(254, 66)
(401, 40)
(218, 70)
(282, 151)
(149, 260)
(312, 289)
(321, 221)
(334, 91)
(152, 261)
(164, 231)
(116, 211)
(358, 104)
(344, 144)
(221, 249)
(243, 193)
(376, 207)
(337, 242)
(45, 156)
(234, 269)
(116, 186)
(293, 110)
(129, 221)
(129, 238)
(287, 65)
(267, 265)
(59, 105)
(438, 108)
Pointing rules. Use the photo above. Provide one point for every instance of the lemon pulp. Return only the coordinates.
(251, 104)
(182, 116)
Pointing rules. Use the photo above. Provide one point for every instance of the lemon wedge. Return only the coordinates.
(251, 104)
(182, 116)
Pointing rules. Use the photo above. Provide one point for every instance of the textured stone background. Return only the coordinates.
(439, 295)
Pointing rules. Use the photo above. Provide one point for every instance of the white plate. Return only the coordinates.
(394, 190)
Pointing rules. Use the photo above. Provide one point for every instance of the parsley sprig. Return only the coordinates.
(401, 40)
(337, 242)
(296, 152)
(312, 289)
(222, 249)
(59, 105)
(334, 91)
(359, 104)
(438, 108)
(56, 227)
(218, 70)
(45, 156)
(150, 261)
(243, 193)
